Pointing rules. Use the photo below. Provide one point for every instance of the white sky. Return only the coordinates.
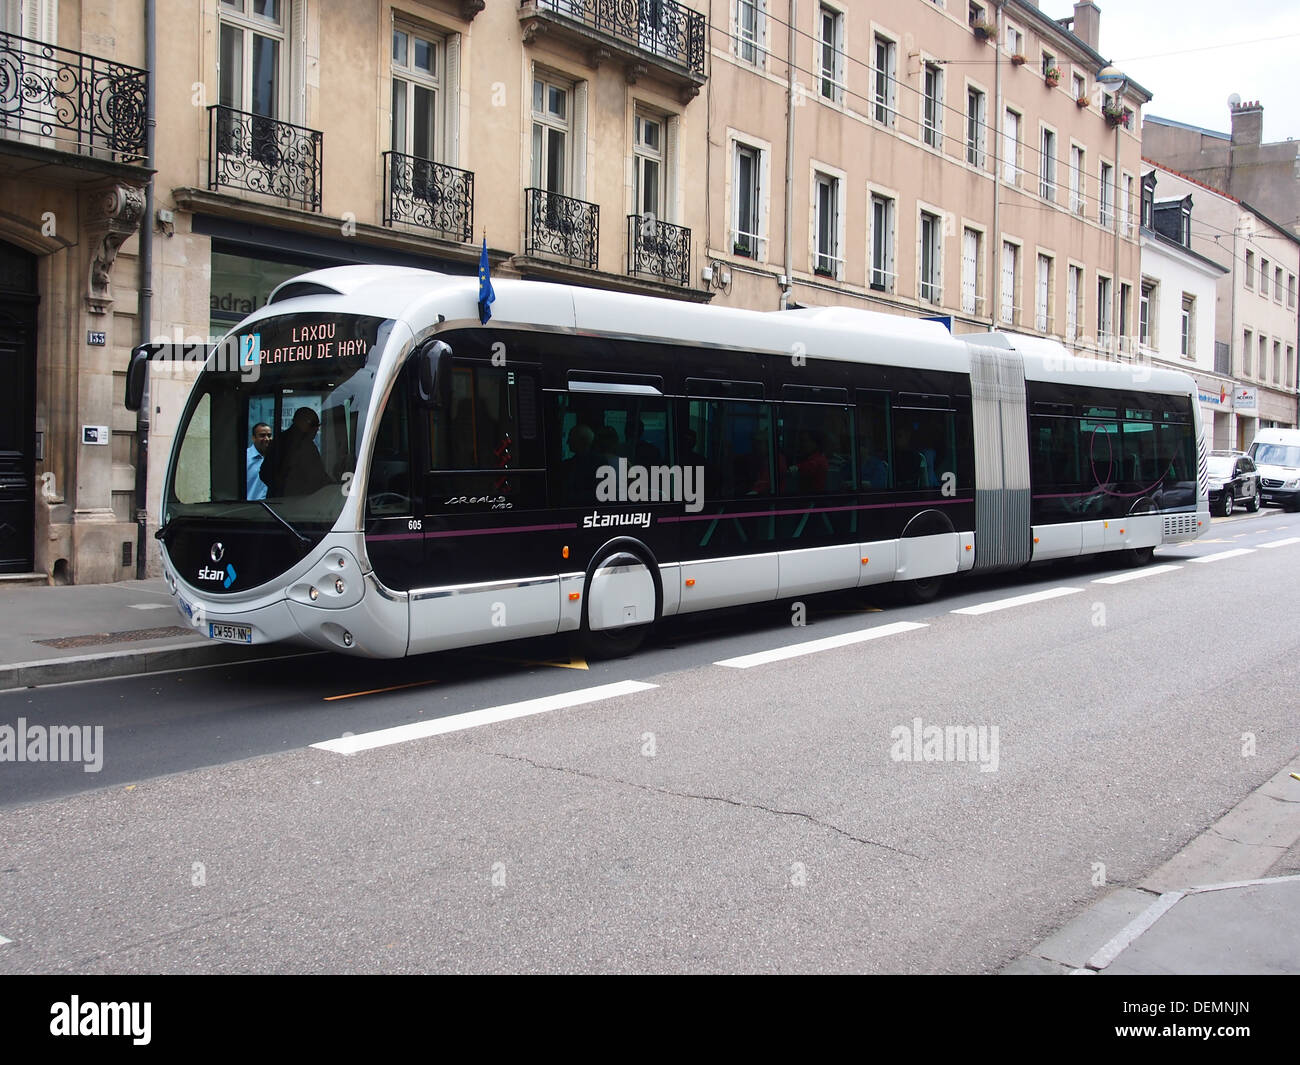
(1250, 47)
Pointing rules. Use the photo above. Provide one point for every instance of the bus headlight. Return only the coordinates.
(339, 586)
(312, 593)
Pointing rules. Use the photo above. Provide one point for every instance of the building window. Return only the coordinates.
(1015, 41)
(1010, 274)
(1187, 328)
(826, 223)
(1261, 364)
(1277, 362)
(1250, 269)
(832, 53)
(1277, 283)
(1079, 86)
(1104, 311)
(931, 258)
(1043, 295)
(1145, 306)
(1010, 146)
(1290, 365)
(882, 243)
(1047, 163)
(1290, 291)
(252, 42)
(1105, 194)
(748, 34)
(1048, 64)
(882, 75)
(1247, 351)
(746, 236)
(1073, 302)
(932, 106)
(1077, 202)
(1127, 206)
(971, 256)
(417, 94)
(648, 167)
(1263, 276)
(552, 124)
(975, 118)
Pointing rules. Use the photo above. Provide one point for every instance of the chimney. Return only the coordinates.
(1087, 23)
(1247, 123)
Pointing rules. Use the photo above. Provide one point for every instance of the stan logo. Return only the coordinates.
(250, 350)
(227, 578)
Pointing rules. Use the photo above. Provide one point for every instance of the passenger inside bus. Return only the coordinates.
(293, 466)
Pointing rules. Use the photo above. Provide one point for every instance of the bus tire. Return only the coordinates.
(1137, 556)
(921, 590)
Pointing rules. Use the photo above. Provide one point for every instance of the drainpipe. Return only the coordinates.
(995, 252)
(146, 298)
(789, 152)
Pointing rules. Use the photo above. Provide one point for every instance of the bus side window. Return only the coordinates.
(875, 467)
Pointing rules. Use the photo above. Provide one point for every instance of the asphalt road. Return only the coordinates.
(706, 817)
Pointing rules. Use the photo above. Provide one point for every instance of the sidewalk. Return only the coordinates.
(49, 635)
(1226, 904)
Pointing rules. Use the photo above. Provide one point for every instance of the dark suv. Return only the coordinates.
(1233, 480)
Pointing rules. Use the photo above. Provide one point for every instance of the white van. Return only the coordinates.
(1277, 457)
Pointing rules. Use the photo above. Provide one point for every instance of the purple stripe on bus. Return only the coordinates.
(813, 510)
(662, 521)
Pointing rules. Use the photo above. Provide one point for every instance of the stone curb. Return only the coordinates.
(126, 663)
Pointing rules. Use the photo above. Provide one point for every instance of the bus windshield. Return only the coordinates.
(271, 432)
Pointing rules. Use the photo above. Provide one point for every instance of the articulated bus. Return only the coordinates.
(591, 462)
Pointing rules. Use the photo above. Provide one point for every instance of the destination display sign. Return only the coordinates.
(307, 339)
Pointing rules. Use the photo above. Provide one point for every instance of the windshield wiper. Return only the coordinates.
(301, 539)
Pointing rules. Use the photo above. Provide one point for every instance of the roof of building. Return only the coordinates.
(1282, 230)
(1148, 117)
(1169, 242)
(1029, 9)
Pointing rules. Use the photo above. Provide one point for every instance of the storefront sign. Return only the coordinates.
(1245, 399)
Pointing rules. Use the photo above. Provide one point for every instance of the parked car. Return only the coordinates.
(1276, 453)
(1233, 480)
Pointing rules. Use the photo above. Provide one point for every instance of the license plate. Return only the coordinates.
(233, 633)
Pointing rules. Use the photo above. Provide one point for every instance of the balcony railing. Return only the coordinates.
(79, 103)
(663, 28)
(265, 155)
(562, 226)
(658, 249)
(421, 192)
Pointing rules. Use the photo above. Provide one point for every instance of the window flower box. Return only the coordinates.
(984, 30)
(1018, 60)
(1052, 77)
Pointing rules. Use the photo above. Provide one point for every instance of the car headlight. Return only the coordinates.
(1215, 485)
(1293, 483)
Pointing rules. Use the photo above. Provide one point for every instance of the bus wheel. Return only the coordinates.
(923, 590)
(612, 643)
(1137, 556)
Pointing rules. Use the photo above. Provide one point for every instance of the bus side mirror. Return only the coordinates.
(136, 371)
(433, 373)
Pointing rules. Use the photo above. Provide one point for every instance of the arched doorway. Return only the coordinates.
(18, 300)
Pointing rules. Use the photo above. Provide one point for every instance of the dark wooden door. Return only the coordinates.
(17, 408)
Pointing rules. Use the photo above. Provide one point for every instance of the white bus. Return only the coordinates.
(434, 483)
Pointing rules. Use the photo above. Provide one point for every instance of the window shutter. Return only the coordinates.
(297, 31)
(580, 140)
(672, 160)
(451, 102)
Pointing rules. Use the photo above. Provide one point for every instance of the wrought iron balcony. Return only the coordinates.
(658, 249)
(71, 101)
(421, 192)
(561, 226)
(664, 32)
(265, 155)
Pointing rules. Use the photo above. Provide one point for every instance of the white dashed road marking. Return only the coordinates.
(1150, 571)
(474, 718)
(1017, 600)
(813, 646)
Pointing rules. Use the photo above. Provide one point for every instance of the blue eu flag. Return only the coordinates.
(486, 297)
